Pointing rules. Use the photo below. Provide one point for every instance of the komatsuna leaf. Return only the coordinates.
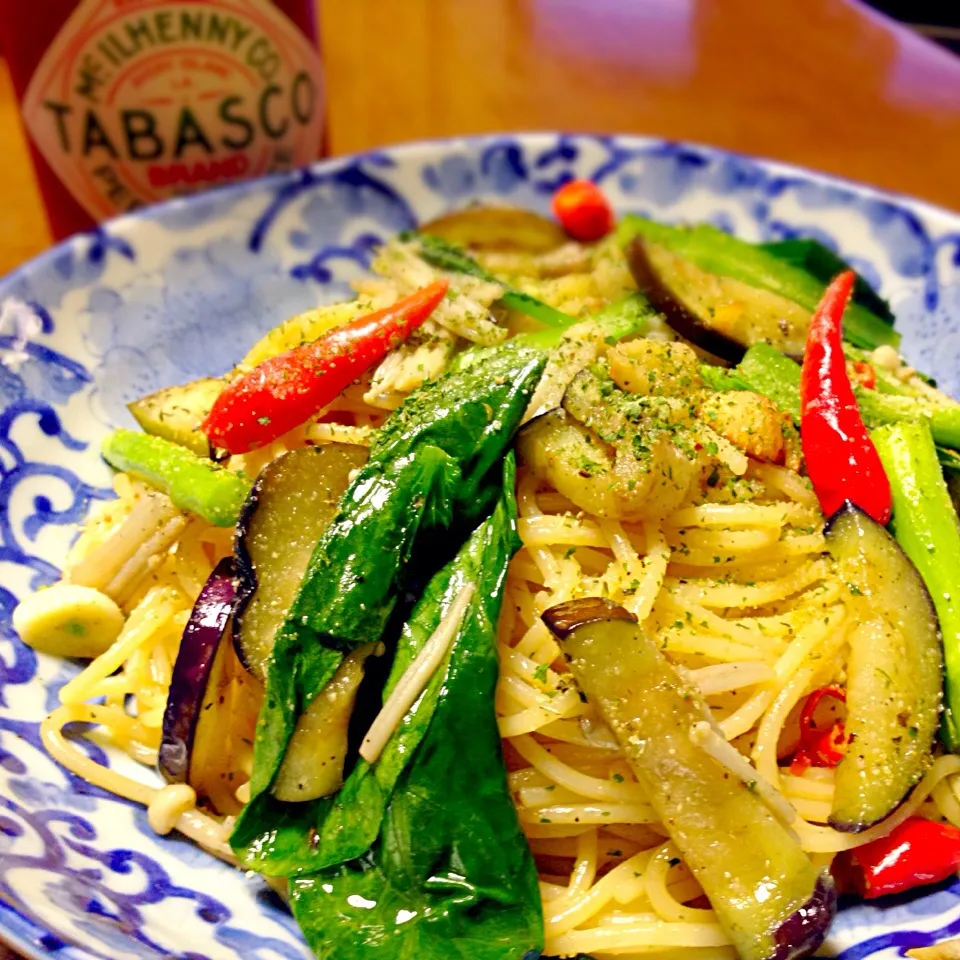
(431, 464)
(309, 836)
(450, 873)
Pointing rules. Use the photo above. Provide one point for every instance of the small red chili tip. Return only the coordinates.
(831, 746)
(842, 461)
(819, 747)
(916, 853)
(583, 211)
(807, 713)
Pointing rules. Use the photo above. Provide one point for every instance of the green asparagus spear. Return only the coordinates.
(767, 371)
(192, 483)
(926, 526)
(879, 408)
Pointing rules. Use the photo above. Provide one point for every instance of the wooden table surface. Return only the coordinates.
(824, 83)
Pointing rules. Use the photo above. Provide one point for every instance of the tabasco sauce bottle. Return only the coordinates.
(128, 102)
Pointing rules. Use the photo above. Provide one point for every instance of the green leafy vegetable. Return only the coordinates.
(308, 837)
(717, 252)
(445, 869)
(623, 318)
(448, 256)
(722, 378)
(352, 825)
(445, 256)
(824, 264)
(471, 415)
(430, 463)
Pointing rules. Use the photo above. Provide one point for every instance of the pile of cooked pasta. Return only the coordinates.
(734, 585)
(737, 592)
(146, 554)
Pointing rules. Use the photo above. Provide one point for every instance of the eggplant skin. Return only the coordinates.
(175, 413)
(285, 514)
(720, 314)
(843, 514)
(191, 671)
(502, 229)
(564, 618)
(680, 319)
(804, 930)
(894, 672)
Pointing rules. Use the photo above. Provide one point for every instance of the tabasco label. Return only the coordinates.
(137, 101)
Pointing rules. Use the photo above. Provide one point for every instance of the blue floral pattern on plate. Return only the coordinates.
(179, 291)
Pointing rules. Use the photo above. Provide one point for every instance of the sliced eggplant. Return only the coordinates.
(223, 741)
(193, 668)
(722, 315)
(289, 507)
(767, 895)
(894, 677)
(313, 764)
(176, 413)
(212, 707)
(506, 229)
(721, 254)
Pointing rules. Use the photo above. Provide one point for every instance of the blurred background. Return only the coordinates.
(868, 92)
(939, 22)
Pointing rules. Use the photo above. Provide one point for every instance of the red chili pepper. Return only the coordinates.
(819, 747)
(831, 746)
(842, 461)
(914, 854)
(583, 211)
(286, 390)
(864, 374)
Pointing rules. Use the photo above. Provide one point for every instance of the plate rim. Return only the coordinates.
(325, 165)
